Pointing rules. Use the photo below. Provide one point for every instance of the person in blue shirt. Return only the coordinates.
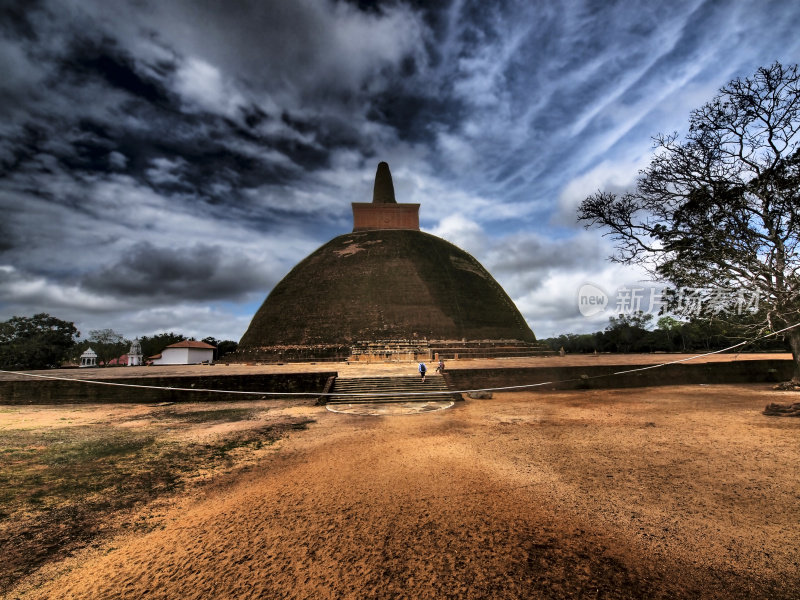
(422, 370)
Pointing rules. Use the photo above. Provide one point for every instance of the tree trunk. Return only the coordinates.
(794, 343)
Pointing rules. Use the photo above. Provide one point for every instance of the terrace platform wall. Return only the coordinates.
(601, 376)
(43, 391)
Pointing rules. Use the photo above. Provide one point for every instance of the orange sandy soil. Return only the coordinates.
(369, 369)
(668, 492)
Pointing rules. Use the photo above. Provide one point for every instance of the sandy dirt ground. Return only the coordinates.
(669, 492)
(371, 369)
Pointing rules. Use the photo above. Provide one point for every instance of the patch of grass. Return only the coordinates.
(45, 470)
(254, 438)
(58, 486)
(206, 416)
(95, 449)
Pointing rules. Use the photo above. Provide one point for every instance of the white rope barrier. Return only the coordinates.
(395, 394)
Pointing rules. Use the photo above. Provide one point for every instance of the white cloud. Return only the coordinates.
(165, 171)
(438, 197)
(189, 319)
(117, 160)
(462, 232)
(202, 84)
(552, 307)
(35, 293)
(457, 151)
(614, 177)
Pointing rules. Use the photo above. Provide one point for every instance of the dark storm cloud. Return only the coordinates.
(14, 19)
(201, 272)
(8, 237)
(88, 58)
(317, 48)
(232, 127)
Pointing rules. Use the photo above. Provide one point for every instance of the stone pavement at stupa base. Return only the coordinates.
(446, 349)
(395, 350)
(400, 367)
(404, 367)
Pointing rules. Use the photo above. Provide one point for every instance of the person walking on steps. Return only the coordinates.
(422, 369)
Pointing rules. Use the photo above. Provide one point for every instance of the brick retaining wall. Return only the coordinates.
(43, 391)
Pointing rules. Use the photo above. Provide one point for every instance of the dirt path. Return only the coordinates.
(647, 493)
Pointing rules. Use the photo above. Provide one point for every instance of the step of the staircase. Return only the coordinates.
(382, 390)
(389, 388)
(390, 380)
(389, 400)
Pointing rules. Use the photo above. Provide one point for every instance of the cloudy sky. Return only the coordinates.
(164, 163)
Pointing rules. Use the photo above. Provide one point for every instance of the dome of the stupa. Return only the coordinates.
(386, 284)
(384, 281)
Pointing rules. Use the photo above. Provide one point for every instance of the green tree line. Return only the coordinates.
(635, 333)
(45, 342)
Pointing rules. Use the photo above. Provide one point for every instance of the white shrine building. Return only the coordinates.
(187, 352)
(89, 358)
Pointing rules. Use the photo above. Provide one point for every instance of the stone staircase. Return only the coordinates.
(382, 389)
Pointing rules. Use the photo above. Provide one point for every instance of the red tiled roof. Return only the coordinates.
(122, 360)
(191, 344)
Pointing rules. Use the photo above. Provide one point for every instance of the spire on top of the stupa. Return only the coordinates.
(384, 212)
(383, 192)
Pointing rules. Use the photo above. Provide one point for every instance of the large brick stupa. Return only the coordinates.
(387, 290)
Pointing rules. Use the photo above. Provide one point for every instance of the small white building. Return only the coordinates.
(187, 352)
(89, 358)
